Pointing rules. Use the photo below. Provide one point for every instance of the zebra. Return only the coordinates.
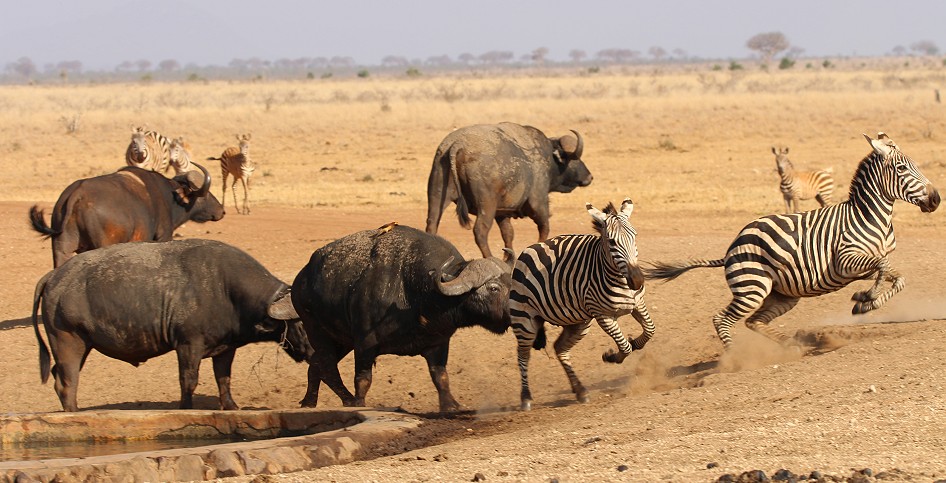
(236, 161)
(568, 280)
(148, 150)
(179, 156)
(802, 185)
(778, 259)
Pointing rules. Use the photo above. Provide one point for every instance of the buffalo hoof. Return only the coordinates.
(308, 402)
(526, 405)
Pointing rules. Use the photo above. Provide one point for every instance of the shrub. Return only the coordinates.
(412, 72)
(786, 63)
(363, 73)
(733, 65)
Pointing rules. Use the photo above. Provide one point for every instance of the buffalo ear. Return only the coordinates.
(180, 194)
(558, 157)
(282, 309)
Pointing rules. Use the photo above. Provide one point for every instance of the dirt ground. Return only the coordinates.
(871, 395)
(695, 157)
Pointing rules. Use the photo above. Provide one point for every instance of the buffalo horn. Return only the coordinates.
(475, 274)
(204, 188)
(581, 145)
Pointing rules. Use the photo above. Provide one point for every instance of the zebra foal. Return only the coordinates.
(778, 259)
(236, 161)
(802, 185)
(568, 280)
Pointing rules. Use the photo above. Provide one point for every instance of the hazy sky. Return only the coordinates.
(103, 33)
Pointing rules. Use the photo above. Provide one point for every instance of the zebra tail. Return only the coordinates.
(39, 223)
(463, 211)
(211, 158)
(44, 366)
(670, 271)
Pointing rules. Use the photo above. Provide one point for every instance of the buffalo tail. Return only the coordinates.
(463, 211)
(43, 350)
(39, 223)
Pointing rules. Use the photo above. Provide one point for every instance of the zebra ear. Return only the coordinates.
(596, 213)
(627, 206)
(774, 151)
(879, 146)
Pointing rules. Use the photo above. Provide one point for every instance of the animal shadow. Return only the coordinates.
(14, 323)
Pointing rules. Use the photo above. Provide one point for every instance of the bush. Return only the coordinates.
(786, 63)
(363, 73)
(717, 67)
(827, 64)
(733, 65)
(310, 76)
(413, 72)
(326, 75)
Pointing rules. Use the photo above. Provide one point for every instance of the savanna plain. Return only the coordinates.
(691, 147)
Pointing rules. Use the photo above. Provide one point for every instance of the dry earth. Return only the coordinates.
(870, 394)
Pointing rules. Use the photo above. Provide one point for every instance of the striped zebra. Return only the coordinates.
(236, 161)
(148, 150)
(179, 156)
(802, 185)
(568, 280)
(778, 259)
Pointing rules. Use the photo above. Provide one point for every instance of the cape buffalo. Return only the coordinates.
(135, 301)
(131, 204)
(502, 171)
(394, 290)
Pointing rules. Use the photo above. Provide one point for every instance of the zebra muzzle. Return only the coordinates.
(932, 200)
(635, 278)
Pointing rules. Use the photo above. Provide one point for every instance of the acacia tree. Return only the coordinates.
(577, 55)
(24, 67)
(658, 53)
(768, 44)
(538, 55)
(924, 47)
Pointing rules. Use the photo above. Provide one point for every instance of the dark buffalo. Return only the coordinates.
(394, 290)
(502, 171)
(135, 301)
(131, 204)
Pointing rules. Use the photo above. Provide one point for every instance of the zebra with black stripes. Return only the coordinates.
(778, 259)
(568, 280)
(179, 156)
(148, 150)
(236, 161)
(802, 185)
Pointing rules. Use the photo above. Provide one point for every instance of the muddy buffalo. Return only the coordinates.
(394, 290)
(131, 204)
(499, 172)
(136, 301)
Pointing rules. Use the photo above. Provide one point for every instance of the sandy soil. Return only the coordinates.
(870, 394)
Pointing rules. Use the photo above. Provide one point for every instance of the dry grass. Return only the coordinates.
(673, 141)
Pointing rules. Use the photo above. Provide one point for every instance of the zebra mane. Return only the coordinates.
(863, 166)
(608, 210)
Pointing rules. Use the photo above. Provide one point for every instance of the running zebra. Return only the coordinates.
(236, 161)
(148, 150)
(802, 185)
(777, 259)
(568, 280)
(179, 156)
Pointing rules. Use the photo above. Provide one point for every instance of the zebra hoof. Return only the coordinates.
(613, 356)
(583, 397)
(526, 405)
(861, 296)
(862, 307)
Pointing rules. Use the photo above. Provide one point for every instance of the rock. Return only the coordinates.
(623, 468)
(502, 473)
(727, 478)
(479, 477)
(753, 476)
(712, 465)
(227, 463)
(593, 439)
(440, 457)
(785, 475)
(815, 475)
